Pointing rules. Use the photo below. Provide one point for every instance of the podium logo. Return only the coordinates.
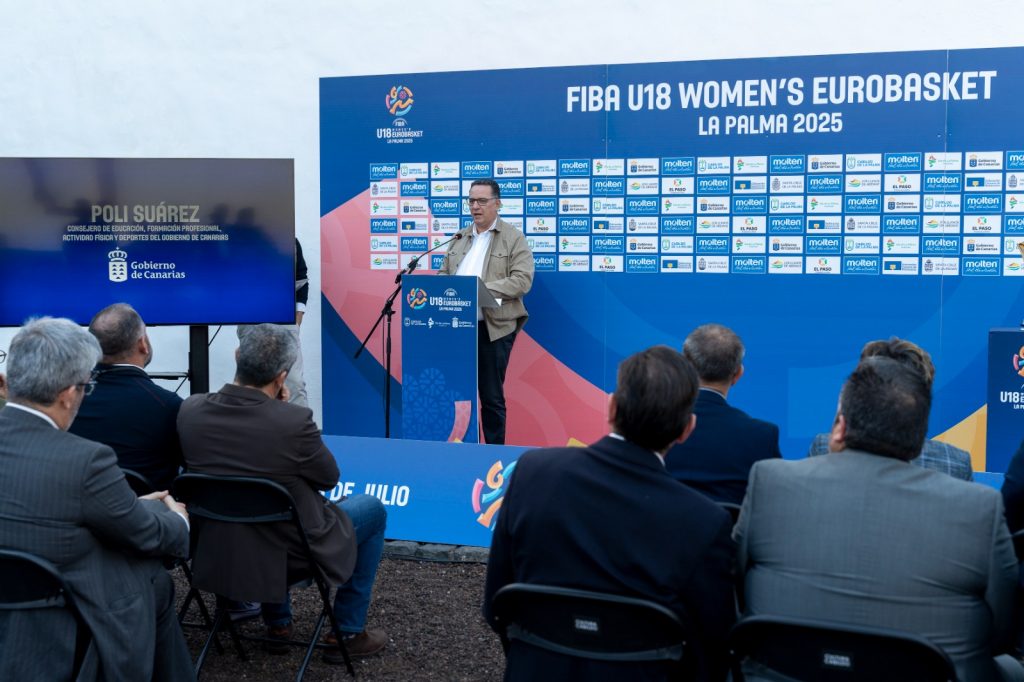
(416, 298)
(118, 266)
(398, 100)
(489, 493)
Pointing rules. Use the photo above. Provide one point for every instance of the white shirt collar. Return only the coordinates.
(705, 388)
(661, 457)
(37, 413)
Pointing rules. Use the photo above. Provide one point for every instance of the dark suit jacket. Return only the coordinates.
(239, 431)
(717, 457)
(609, 518)
(1013, 491)
(63, 498)
(137, 418)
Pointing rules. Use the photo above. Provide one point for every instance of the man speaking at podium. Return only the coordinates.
(496, 252)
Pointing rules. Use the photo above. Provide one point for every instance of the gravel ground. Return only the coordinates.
(430, 611)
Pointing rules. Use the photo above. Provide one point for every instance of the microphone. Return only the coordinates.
(416, 261)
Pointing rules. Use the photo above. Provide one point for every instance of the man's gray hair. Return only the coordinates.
(264, 351)
(715, 351)
(47, 356)
(118, 328)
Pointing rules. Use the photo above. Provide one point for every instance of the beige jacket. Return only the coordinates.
(508, 274)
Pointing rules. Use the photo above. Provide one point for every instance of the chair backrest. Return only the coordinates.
(29, 582)
(235, 499)
(733, 509)
(593, 625)
(139, 484)
(1018, 544)
(821, 651)
(238, 499)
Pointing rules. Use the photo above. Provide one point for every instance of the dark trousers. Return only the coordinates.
(492, 361)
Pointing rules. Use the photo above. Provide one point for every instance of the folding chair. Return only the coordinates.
(29, 582)
(590, 625)
(139, 484)
(820, 651)
(247, 500)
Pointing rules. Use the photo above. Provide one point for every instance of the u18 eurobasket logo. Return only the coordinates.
(1018, 362)
(486, 503)
(118, 266)
(416, 298)
(399, 100)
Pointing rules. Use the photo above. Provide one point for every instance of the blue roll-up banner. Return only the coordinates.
(1005, 395)
(439, 342)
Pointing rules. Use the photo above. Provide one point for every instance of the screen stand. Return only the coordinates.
(199, 359)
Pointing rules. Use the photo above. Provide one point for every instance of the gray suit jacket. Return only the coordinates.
(64, 498)
(508, 274)
(868, 540)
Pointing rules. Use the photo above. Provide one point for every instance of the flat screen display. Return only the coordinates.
(185, 241)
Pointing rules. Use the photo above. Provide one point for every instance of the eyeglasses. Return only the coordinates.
(89, 386)
(480, 202)
(3, 356)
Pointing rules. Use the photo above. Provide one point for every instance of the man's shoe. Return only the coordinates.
(366, 643)
(280, 634)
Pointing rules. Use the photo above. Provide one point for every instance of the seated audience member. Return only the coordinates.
(609, 518)
(935, 454)
(65, 499)
(1013, 491)
(248, 428)
(717, 457)
(127, 411)
(862, 537)
(3, 390)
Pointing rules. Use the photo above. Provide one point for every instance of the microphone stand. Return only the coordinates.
(386, 313)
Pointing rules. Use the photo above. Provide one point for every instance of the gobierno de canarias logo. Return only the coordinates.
(1018, 362)
(486, 503)
(416, 298)
(398, 100)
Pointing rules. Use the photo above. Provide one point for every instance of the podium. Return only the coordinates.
(1005, 423)
(439, 363)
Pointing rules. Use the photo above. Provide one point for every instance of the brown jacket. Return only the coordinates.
(240, 431)
(508, 274)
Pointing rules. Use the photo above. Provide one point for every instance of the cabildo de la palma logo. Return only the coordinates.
(120, 270)
(416, 298)
(398, 101)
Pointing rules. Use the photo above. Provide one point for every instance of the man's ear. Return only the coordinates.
(612, 409)
(66, 398)
(689, 428)
(837, 439)
(738, 375)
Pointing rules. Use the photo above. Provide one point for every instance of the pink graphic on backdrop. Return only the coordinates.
(548, 404)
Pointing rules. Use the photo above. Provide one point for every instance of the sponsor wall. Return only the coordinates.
(811, 203)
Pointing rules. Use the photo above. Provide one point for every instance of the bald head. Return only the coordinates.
(122, 335)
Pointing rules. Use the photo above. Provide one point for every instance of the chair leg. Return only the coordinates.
(217, 623)
(325, 594)
(194, 595)
(314, 639)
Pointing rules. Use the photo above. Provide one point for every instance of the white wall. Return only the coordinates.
(230, 78)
